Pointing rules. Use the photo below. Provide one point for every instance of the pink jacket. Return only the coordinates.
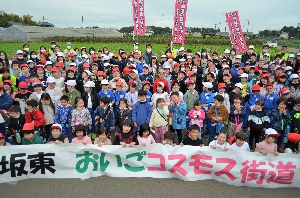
(197, 117)
(148, 140)
(85, 139)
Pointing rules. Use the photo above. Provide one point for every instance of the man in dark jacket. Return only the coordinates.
(148, 54)
(182, 55)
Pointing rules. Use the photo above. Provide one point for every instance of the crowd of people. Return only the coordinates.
(247, 101)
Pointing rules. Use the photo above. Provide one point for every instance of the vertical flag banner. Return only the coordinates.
(138, 16)
(178, 33)
(235, 31)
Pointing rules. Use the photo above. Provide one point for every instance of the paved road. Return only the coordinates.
(103, 187)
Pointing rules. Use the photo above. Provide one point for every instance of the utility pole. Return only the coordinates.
(43, 18)
(247, 26)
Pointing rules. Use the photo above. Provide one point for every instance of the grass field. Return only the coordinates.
(11, 47)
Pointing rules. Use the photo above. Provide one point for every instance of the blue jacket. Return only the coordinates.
(147, 77)
(209, 99)
(139, 68)
(141, 113)
(63, 116)
(233, 71)
(119, 95)
(109, 117)
(236, 117)
(270, 101)
(178, 116)
(279, 121)
(149, 96)
(252, 99)
(5, 101)
(109, 94)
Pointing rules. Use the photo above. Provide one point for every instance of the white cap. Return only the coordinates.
(292, 56)
(288, 68)
(84, 56)
(251, 46)
(298, 54)
(29, 61)
(244, 75)
(89, 84)
(227, 51)
(50, 80)
(238, 56)
(294, 76)
(199, 53)
(163, 56)
(265, 67)
(267, 54)
(271, 132)
(239, 85)
(189, 57)
(19, 52)
(60, 54)
(104, 82)
(49, 63)
(144, 65)
(181, 49)
(162, 84)
(102, 55)
(88, 72)
(75, 54)
(73, 64)
(106, 64)
(135, 71)
(55, 126)
(167, 66)
(181, 60)
(71, 83)
(134, 65)
(225, 66)
(207, 84)
(106, 58)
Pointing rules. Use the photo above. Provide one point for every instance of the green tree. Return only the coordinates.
(25, 19)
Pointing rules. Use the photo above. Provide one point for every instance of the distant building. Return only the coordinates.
(44, 24)
(11, 23)
(284, 35)
(197, 34)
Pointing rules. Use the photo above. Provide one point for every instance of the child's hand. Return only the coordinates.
(173, 145)
(99, 144)
(144, 144)
(97, 117)
(226, 149)
(9, 137)
(84, 143)
(57, 142)
(123, 144)
(132, 144)
(126, 117)
(164, 143)
(101, 120)
(248, 129)
(32, 121)
(135, 125)
(276, 153)
(17, 99)
(201, 145)
(264, 152)
(90, 127)
(213, 146)
(181, 144)
(73, 129)
(264, 129)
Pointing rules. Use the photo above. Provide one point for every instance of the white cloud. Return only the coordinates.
(261, 14)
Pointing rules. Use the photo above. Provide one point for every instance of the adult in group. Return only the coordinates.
(6, 76)
(247, 56)
(116, 78)
(284, 53)
(148, 54)
(261, 55)
(182, 55)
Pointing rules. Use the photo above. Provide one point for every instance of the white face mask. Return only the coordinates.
(15, 67)
(195, 70)
(17, 116)
(182, 69)
(105, 52)
(250, 51)
(2, 57)
(68, 47)
(20, 57)
(26, 49)
(289, 73)
(204, 54)
(83, 52)
(148, 50)
(170, 60)
(265, 51)
(43, 50)
(33, 56)
(130, 59)
(92, 52)
(53, 46)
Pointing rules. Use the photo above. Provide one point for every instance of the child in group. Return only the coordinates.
(280, 121)
(5, 102)
(38, 90)
(132, 95)
(22, 96)
(141, 111)
(158, 120)
(267, 146)
(191, 95)
(169, 138)
(29, 135)
(175, 88)
(81, 115)
(63, 116)
(193, 138)
(59, 81)
(236, 116)
(295, 118)
(47, 107)
(14, 125)
(144, 137)
(26, 74)
(54, 91)
(122, 113)
(118, 95)
(73, 93)
(7, 84)
(126, 135)
(80, 135)
(222, 92)
(3, 142)
(160, 93)
(270, 99)
(57, 137)
(217, 114)
(102, 137)
(258, 121)
(197, 116)
(220, 142)
(100, 77)
(104, 114)
(106, 91)
(147, 87)
(35, 116)
(240, 144)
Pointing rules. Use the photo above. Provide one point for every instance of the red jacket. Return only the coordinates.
(160, 80)
(37, 116)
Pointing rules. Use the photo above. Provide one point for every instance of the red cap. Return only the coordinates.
(221, 85)
(170, 56)
(269, 84)
(23, 85)
(43, 62)
(23, 65)
(281, 75)
(54, 69)
(1, 85)
(1, 136)
(176, 65)
(242, 68)
(277, 68)
(100, 51)
(130, 54)
(59, 64)
(120, 83)
(72, 69)
(190, 82)
(28, 127)
(255, 87)
(126, 71)
(45, 53)
(183, 72)
(94, 56)
(284, 91)
(8, 81)
(146, 82)
(186, 65)
(264, 76)
(191, 73)
(100, 73)
(131, 82)
(40, 66)
(116, 69)
(116, 55)
(85, 65)
(293, 137)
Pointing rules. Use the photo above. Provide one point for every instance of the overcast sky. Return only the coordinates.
(262, 14)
